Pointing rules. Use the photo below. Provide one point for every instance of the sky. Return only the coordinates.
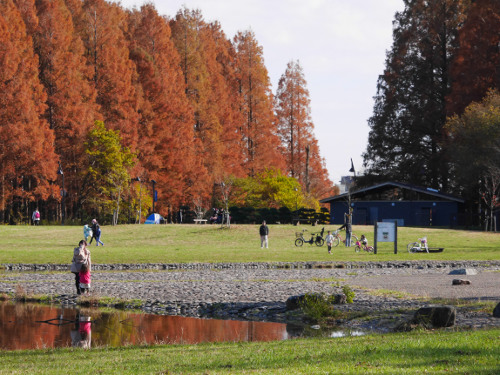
(341, 46)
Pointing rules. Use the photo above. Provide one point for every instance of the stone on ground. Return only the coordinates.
(437, 316)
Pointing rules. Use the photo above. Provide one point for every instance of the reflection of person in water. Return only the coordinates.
(81, 335)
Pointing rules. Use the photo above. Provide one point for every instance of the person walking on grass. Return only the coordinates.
(264, 233)
(96, 233)
(87, 232)
(329, 241)
(36, 217)
(348, 229)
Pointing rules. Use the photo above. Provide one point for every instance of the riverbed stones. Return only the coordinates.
(258, 291)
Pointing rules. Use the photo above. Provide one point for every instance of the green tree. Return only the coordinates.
(268, 189)
(107, 175)
(475, 151)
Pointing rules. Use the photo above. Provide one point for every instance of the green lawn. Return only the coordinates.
(240, 243)
(473, 352)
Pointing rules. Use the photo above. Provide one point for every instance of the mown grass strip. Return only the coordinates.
(437, 352)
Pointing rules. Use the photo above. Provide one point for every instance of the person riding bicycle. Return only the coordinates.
(363, 240)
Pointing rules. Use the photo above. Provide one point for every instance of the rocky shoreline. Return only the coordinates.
(257, 265)
(385, 292)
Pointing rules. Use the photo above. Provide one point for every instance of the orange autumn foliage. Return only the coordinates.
(258, 131)
(28, 162)
(167, 147)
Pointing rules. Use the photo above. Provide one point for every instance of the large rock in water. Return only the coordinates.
(437, 316)
(496, 311)
(463, 271)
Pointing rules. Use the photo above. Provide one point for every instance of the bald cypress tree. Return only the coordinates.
(28, 163)
(71, 106)
(296, 130)
(167, 145)
(259, 131)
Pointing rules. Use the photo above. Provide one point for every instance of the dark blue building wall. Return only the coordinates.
(414, 213)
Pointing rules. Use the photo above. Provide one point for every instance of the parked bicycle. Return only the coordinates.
(316, 238)
(418, 246)
(338, 238)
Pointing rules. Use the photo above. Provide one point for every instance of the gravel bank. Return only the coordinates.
(258, 291)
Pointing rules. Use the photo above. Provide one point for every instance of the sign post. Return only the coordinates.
(386, 232)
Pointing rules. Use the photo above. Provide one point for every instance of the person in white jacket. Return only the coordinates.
(329, 241)
(87, 232)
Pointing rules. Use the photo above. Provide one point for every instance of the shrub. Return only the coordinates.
(317, 306)
(349, 293)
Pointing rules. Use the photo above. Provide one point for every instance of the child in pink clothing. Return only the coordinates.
(85, 279)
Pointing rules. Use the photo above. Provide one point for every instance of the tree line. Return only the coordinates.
(111, 99)
(436, 118)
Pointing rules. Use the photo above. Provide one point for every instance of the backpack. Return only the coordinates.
(81, 256)
(37, 215)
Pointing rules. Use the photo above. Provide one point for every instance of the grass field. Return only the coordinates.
(473, 352)
(241, 243)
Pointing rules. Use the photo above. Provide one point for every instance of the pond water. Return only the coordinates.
(32, 326)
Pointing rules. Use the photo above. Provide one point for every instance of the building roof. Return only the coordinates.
(387, 185)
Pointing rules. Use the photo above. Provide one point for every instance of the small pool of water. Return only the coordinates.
(32, 326)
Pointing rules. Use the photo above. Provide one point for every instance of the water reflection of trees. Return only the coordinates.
(26, 326)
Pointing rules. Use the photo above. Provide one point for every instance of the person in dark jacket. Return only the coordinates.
(96, 233)
(348, 230)
(264, 233)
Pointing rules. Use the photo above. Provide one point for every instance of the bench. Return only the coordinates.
(200, 221)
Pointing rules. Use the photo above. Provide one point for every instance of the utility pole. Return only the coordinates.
(154, 194)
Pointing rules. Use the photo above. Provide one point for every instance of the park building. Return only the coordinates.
(409, 205)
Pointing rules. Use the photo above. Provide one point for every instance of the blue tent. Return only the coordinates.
(154, 219)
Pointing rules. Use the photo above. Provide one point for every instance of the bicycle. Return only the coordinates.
(338, 238)
(316, 238)
(360, 245)
(419, 246)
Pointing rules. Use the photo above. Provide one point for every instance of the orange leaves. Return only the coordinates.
(195, 106)
(27, 155)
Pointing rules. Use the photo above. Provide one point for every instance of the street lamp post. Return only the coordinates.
(296, 199)
(296, 213)
(154, 194)
(60, 171)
